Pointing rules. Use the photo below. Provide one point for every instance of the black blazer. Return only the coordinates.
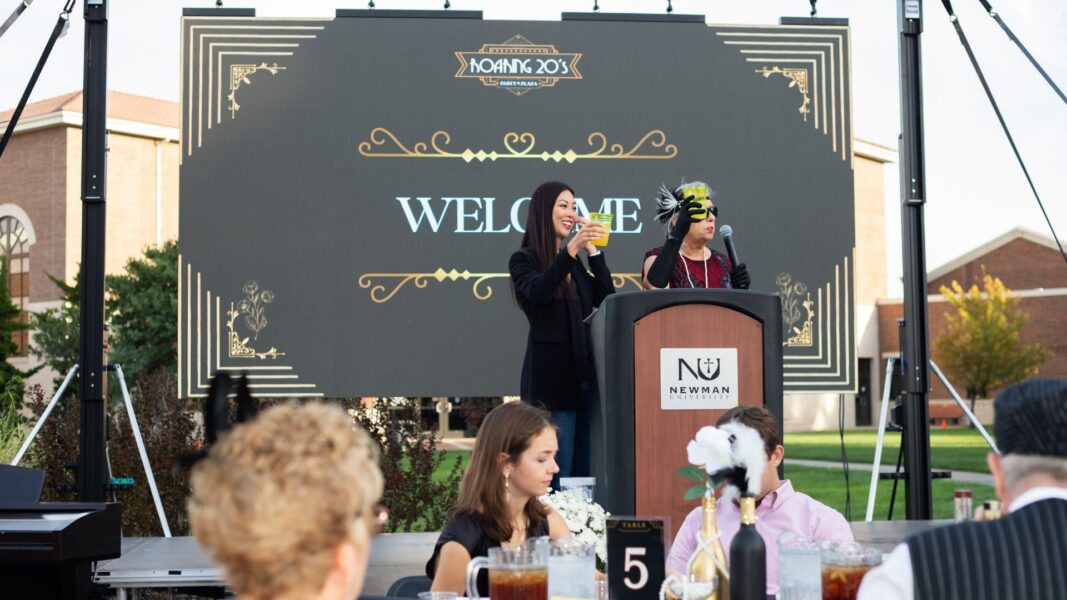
(558, 352)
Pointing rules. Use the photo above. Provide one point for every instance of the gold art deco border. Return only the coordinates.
(221, 56)
(814, 61)
(202, 352)
(383, 143)
(825, 359)
(384, 286)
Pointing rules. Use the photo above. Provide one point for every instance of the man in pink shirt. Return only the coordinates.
(778, 508)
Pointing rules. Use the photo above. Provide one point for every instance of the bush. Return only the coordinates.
(474, 409)
(55, 446)
(13, 426)
(409, 458)
(169, 428)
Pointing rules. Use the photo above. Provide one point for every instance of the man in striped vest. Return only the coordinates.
(1021, 556)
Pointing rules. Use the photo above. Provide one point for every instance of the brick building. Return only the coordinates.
(40, 193)
(1030, 265)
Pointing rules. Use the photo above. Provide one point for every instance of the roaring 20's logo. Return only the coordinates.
(518, 65)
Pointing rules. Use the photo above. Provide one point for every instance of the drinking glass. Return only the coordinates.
(514, 574)
(604, 219)
(438, 595)
(572, 569)
(579, 487)
(691, 587)
(602, 590)
(700, 194)
(799, 568)
(843, 568)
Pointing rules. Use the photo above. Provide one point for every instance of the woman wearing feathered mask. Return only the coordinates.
(685, 260)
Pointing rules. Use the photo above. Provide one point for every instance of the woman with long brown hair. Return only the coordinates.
(511, 466)
(557, 294)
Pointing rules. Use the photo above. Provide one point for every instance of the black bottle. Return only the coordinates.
(748, 557)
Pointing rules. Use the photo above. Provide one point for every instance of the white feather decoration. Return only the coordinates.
(711, 450)
(666, 203)
(748, 454)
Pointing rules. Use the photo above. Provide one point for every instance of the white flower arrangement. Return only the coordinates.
(586, 519)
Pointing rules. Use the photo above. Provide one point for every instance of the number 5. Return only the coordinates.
(630, 563)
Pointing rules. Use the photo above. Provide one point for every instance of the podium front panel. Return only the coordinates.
(634, 454)
(661, 435)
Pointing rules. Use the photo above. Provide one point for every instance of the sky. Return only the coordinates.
(975, 188)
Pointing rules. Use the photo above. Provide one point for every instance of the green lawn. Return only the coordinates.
(446, 465)
(959, 449)
(828, 486)
(951, 449)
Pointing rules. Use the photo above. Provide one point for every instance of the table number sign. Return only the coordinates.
(636, 557)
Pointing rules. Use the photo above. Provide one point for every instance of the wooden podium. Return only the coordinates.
(648, 345)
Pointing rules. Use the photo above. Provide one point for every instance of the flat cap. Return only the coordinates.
(1031, 418)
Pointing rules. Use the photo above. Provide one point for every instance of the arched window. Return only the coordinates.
(15, 249)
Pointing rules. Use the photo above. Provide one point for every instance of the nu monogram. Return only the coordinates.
(702, 364)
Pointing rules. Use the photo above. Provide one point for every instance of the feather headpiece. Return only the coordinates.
(668, 201)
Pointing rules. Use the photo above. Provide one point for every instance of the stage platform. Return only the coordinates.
(158, 563)
(180, 562)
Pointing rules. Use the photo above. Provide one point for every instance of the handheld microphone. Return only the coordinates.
(727, 233)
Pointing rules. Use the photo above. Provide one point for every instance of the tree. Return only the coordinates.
(421, 484)
(55, 332)
(142, 305)
(980, 347)
(10, 323)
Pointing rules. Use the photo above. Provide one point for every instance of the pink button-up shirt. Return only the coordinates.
(780, 511)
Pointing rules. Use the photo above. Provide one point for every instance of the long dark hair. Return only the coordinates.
(539, 240)
(507, 429)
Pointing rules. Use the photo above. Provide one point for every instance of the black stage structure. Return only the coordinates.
(92, 464)
(92, 467)
(916, 343)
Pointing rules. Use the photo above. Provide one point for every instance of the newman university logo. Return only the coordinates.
(698, 378)
(518, 65)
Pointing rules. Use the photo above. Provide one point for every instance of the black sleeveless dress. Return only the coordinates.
(466, 529)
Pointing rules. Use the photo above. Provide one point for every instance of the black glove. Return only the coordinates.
(688, 211)
(739, 278)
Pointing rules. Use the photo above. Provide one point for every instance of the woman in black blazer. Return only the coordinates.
(556, 292)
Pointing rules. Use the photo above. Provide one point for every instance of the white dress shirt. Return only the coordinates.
(893, 580)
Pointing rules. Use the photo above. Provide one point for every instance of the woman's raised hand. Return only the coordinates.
(588, 233)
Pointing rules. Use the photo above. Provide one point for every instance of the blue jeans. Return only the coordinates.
(573, 439)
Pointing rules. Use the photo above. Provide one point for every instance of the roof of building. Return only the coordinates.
(120, 105)
(983, 249)
(1037, 274)
(874, 151)
(160, 116)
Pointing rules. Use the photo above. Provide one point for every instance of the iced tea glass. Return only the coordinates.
(843, 568)
(514, 574)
